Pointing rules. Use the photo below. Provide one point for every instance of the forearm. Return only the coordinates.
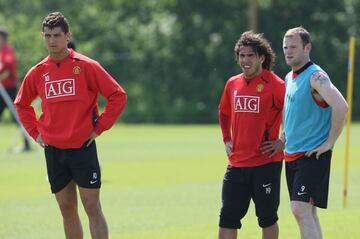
(225, 125)
(115, 105)
(28, 119)
(337, 123)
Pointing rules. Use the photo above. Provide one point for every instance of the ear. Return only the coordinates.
(308, 47)
(262, 59)
(68, 36)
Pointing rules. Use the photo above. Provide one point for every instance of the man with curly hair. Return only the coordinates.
(250, 113)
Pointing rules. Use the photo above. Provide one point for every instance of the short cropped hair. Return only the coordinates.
(303, 33)
(260, 46)
(55, 19)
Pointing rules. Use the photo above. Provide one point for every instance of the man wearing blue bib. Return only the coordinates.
(314, 114)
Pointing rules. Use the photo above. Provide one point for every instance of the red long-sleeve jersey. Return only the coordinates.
(69, 91)
(250, 113)
(8, 63)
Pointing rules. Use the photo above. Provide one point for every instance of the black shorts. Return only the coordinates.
(308, 179)
(262, 184)
(12, 94)
(80, 165)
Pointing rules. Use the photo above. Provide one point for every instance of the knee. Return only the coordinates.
(267, 221)
(91, 206)
(231, 219)
(68, 208)
(300, 212)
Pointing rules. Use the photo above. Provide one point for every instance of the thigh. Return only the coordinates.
(235, 198)
(266, 189)
(12, 93)
(67, 197)
(290, 171)
(89, 195)
(85, 166)
(2, 105)
(59, 173)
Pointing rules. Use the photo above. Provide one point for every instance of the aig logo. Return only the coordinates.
(59, 88)
(246, 103)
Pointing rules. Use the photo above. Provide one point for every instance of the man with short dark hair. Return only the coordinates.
(250, 115)
(68, 84)
(314, 114)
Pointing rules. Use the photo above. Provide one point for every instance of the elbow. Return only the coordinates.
(343, 109)
(124, 98)
(346, 108)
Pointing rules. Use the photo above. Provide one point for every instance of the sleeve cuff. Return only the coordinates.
(99, 129)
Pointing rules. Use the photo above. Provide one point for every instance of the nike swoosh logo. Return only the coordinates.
(266, 185)
(92, 182)
(301, 193)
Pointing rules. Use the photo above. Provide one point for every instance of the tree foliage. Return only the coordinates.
(173, 57)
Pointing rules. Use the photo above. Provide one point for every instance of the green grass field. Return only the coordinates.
(159, 182)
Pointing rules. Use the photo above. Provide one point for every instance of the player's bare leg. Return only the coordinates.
(271, 232)
(303, 213)
(97, 222)
(227, 233)
(67, 201)
(317, 222)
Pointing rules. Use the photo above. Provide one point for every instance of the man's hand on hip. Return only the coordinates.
(91, 138)
(228, 147)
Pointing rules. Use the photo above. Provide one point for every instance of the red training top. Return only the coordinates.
(69, 92)
(250, 113)
(8, 62)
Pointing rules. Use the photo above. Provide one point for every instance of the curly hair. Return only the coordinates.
(55, 19)
(259, 44)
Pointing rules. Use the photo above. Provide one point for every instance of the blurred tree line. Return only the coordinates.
(173, 57)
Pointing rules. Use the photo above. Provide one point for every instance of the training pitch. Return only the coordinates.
(159, 182)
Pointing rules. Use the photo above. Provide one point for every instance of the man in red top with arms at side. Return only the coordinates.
(8, 78)
(68, 84)
(250, 113)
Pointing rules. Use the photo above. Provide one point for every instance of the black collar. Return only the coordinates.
(303, 68)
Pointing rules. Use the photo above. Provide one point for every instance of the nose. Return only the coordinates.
(51, 40)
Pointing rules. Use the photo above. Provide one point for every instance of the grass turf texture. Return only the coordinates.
(159, 182)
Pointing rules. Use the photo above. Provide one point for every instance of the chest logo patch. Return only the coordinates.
(76, 70)
(59, 88)
(244, 103)
(259, 87)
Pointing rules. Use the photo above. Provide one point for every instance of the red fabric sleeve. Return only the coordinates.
(114, 94)
(225, 115)
(279, 93)
(25, 97)
(225, 124)
(8, 60)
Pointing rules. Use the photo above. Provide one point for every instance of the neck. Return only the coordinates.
(58, 56)
(299, 66)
